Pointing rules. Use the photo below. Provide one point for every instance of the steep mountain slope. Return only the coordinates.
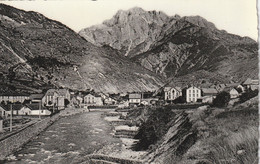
(131, 32)
(48, 53)
(176, 46)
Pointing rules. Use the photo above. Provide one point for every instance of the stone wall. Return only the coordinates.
(15, 140)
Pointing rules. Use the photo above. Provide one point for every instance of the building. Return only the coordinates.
(64, 93)
(232, 91)
(3, 111)
(50, 98)
(74, 101)
(103, 95)
(36, 109)
(13, 97)
(144, 102)
(209, 92)
(36, 97)
(93, 99)
(241, 87)
(208, 95)
(55, 98)
(219, 87)
(24, 111)
(109, 101)
(150, 101)
(172, 93)
(13, 108)
(123, 104)
(192, 94)
(251, 84)
(135, 98)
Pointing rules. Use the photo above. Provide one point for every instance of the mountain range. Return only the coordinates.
(136, 50)
(174, 46)
(37, 52)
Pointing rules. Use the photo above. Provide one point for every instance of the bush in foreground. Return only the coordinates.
(222, 99)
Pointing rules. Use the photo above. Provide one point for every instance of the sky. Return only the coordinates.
(234, 16)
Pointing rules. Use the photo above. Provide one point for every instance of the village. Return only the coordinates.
(34, 106)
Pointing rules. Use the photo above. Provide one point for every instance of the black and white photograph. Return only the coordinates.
(129, 82)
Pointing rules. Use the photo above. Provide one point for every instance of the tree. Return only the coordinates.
(248, 95)
(222, 99)
(3, 102)
(67, 102)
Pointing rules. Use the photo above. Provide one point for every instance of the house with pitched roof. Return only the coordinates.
(209, 92)
(50, 98)
(251, 84)
(135, 98)
(93, 99)
(34, 109)
(172, 93)
(13, 108)
(208, 95)
(232, 91)
(53, 98)
(220, 87)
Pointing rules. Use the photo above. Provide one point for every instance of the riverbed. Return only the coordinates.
(67, 140)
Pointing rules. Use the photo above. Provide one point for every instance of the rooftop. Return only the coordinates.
(134, 96)
(13, 94)
(34, 106)
(209, 90)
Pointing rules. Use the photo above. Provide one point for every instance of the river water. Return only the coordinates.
(67, 140)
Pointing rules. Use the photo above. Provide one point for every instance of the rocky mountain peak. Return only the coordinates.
(175, 46)
(199, 21)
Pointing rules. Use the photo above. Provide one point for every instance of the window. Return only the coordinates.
(193, 99)
(190, 99)
(197, 95)
(193, 95)
(193, 91)
(189, 95)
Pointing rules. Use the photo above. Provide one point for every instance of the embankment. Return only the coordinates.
(15, 140)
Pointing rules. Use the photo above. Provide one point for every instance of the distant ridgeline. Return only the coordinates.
(134, 51)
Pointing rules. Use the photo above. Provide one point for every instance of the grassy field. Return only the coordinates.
(225, 136)
(209, 135)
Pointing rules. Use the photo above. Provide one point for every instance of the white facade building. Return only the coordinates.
(193, 94)
(172, 93)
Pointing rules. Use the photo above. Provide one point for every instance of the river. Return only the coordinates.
(67, 140)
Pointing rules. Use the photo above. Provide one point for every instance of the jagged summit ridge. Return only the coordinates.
(176, 46)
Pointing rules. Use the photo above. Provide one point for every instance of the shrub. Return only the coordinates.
(222, 99)
(248, 95)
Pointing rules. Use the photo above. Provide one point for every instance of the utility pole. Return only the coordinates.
(53, 107)
(11, 118)
(40, 109)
